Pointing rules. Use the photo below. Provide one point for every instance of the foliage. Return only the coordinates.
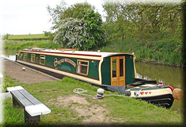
(70, 32)
(95, 33)
(164, 52)
(80, 27)
(49, 35)
(153, 31)
(77, 11)
(56, 13)
(145, 20)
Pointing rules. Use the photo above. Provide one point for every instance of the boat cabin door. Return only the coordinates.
(118, 71)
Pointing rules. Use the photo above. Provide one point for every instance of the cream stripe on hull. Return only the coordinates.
(98, 82)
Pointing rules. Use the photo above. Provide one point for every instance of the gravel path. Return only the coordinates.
(28, 76)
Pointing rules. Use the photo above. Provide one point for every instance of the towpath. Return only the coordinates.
(28, 76)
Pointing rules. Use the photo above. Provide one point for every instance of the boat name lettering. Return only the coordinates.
(56, 62)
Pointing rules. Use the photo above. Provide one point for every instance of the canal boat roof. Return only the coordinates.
(74, 52)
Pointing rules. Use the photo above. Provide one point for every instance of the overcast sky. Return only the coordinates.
(31, 16)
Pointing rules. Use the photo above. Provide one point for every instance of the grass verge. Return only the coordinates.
(121, 111)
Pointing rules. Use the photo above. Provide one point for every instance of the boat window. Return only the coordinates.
(32, 57)
(121, 67)
(42, 59)
(114, 68)
(24, 56)
(82, 67)
(20, 55)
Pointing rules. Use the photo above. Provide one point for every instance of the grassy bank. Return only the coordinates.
(27, 37)
(14, 43)
(19, 45)
(116, 111)
(164, 52)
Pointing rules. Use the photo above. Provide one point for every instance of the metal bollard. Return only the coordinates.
(100, 93)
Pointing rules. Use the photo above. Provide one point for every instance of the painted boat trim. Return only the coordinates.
(146, 93)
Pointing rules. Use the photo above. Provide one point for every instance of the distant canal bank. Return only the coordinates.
(169, 75)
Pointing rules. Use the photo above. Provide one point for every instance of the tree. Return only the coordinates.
(85, 20)
(95, 33)
(56, 14)
(145, 21)
(77, 11)
(48, 34)
(69, 33)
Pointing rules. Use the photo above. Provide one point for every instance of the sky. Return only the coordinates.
(32, 17)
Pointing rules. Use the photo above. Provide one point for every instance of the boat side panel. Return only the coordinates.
(63, 66)
(129, 69)
(105, 71)
(93, 71)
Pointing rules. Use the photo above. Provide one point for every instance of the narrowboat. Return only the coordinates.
(112, 71)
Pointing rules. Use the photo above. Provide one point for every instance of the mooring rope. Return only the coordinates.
(81, 91)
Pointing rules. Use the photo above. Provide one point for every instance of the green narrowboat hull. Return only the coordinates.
(98, 69)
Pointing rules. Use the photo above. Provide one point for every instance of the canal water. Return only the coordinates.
(169, 75)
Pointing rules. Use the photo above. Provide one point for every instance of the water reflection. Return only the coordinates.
(169, 75)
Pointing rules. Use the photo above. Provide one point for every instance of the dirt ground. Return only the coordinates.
(28, 76)
(93, 114)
